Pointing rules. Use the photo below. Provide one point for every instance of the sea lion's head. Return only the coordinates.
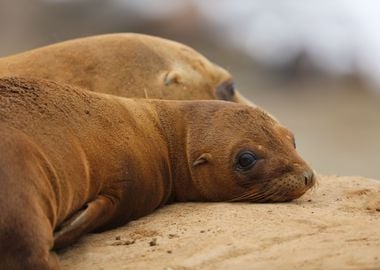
(240, 153)
(179, 72)
(129, 65)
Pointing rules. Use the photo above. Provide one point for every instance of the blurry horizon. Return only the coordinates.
(313, 65)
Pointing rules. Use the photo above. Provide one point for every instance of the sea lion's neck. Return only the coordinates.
(174, 125)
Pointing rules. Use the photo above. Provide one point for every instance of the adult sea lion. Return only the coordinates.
(129, 65)
(74, 161)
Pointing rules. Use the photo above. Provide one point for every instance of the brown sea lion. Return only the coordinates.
(74, 161)
(128, 65)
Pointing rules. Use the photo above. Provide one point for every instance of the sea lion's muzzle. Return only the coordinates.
(293, 186)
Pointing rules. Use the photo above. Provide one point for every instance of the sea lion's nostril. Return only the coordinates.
(308, 177)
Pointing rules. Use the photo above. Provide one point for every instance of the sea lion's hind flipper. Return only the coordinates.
(95, 214)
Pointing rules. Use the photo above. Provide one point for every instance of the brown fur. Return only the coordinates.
(74, 161)
(128, 65)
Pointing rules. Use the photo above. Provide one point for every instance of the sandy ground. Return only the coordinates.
(336, 226)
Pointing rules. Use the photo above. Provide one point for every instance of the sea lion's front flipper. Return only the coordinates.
(95, 214)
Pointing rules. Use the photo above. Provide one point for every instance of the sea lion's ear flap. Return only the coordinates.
(203, 158)
(171, 77)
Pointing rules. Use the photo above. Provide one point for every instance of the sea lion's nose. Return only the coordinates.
(308, 178)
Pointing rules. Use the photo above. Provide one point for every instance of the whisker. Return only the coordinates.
(246, 195)
(253, 195)
(267, 195)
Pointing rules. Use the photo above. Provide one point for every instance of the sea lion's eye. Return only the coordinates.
(226, 91)
(230, 89)
(246, 160)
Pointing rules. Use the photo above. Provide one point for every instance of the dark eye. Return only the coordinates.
(230, 89)
(246, 160)
(226, 91)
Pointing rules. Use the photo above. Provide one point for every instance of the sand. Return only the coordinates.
(336, 226)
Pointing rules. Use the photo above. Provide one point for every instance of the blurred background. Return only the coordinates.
(315, 65)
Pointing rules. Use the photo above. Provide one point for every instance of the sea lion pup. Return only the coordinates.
(128, 65)
(74, 161)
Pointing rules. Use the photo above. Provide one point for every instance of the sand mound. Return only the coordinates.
(337, 226)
